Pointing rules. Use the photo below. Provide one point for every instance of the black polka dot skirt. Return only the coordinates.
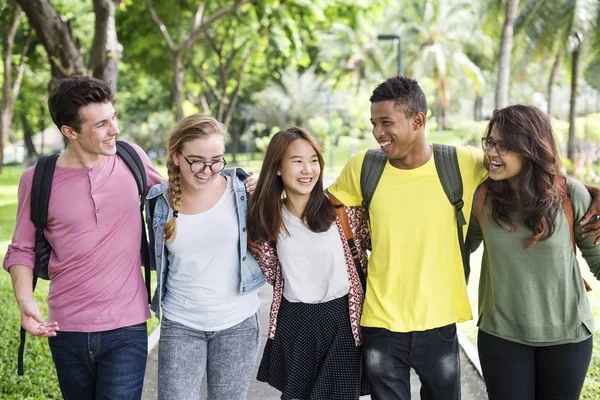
(313, 355)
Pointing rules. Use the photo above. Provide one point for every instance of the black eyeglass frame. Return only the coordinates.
(204, 165)
(502, 150)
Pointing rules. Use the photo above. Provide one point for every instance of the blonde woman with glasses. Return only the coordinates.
(207, 296)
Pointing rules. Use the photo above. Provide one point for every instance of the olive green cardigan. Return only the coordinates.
(535, 297)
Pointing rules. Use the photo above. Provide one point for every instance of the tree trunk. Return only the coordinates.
(234, 132)
(63, 53)
(571, 148)
(552, 80)
(177, 50)
(178, 78)
(477, 108)
(505, 54)
(106, 49)
(9, 93)
(527, 13)
(440, 111)
(27, 134)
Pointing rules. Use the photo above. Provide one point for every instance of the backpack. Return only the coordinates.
(40, 197)
(567, 208)
(446, 165)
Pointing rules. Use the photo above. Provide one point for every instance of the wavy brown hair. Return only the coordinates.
(265, 220)
(189, 128)
(526, 130)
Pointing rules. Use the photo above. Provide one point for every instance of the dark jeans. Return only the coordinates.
(519, 372)
(433, 354)
(101, 365)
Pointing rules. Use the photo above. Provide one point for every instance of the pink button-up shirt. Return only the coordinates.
(94, 228)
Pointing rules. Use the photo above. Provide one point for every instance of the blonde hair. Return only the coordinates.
(189, 128)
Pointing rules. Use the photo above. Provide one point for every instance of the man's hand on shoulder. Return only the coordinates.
(591, 219)
(250, 184)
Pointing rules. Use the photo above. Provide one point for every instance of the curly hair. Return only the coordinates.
(526, 130)
(189, 128)
(405, 92)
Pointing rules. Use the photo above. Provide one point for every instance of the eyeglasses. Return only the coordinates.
(199, 166)
(487, 143)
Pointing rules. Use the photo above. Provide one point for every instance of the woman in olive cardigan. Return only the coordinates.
(535, 322)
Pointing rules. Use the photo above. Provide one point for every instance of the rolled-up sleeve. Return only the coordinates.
(21, 250)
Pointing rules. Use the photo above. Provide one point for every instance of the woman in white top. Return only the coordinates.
(313, 351)
(207, 280)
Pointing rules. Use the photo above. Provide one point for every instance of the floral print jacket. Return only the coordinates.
(269, 263)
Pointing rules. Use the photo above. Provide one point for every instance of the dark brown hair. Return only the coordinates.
(265, 220)
(72, 94)
(526, 130)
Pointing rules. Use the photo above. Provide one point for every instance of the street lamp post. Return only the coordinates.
(394, 37)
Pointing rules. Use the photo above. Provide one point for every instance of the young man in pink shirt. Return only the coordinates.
(97, 303)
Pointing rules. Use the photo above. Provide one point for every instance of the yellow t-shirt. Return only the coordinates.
(416, 279)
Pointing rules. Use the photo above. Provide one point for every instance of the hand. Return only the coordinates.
(254, 248)
(250, 185)
(32, 322)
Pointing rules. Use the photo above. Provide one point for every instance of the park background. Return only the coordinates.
(263, 65)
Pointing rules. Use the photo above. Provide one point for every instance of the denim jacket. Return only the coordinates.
(251, 276)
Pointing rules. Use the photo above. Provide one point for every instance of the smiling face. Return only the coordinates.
(502, 166)
(395, 133)
(209, 149)
(99, 129)
(300, 168)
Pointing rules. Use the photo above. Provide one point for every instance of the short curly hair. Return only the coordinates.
(73, 93)
(405, 92)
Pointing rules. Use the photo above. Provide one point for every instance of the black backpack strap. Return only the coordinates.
(370, 173)
(448, 170)
(133, 161)
(40, 198)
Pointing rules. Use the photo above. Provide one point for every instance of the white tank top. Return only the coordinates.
(202, 288)
(313, 264)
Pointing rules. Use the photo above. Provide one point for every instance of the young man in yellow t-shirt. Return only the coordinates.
(416, 289)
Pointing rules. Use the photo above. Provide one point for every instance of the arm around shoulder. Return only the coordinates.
(580, 200)
(266, 255)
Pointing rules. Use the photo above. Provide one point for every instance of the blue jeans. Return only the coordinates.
(101, 365)
(433, 354)
(227, 357)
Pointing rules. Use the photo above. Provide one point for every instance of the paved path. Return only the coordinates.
(472, 384)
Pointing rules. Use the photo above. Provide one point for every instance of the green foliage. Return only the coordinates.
(591, 123)
(39, 381)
